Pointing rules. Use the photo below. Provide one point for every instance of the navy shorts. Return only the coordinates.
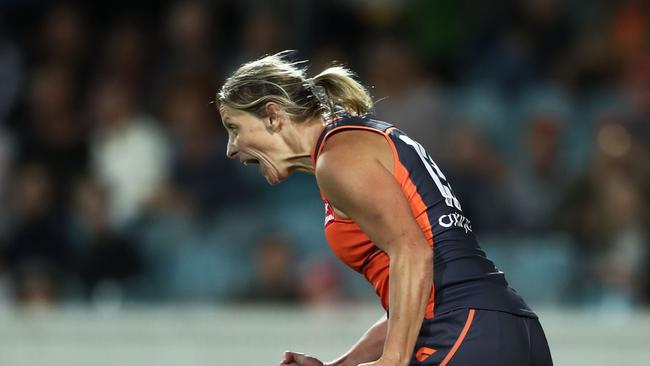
(473, 337)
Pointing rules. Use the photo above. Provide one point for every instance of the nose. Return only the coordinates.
(231, 151)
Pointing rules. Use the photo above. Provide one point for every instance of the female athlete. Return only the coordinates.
(390, 214)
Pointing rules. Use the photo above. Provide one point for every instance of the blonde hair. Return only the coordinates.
(275, 79)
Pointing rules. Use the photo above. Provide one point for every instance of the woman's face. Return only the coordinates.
(254, 140)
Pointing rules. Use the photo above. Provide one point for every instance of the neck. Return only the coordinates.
(305, 139)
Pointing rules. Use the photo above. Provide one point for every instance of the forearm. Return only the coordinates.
(368, 348)
(410, 281)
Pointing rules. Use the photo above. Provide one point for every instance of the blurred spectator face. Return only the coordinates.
(622, 199)
(32, 191)
(619, 176)
(113, 103)
(469, 147)
(186, 110)
(262, 34)
(543, 141)
(126, 51)
(593, 58)
(629, 30)
(390, 66)
(637, 85)
(275, 261)
(91, 203)
(192, 119)
(614, 141)
(51, 93)
(52, 107)
(63, 35)
(189, 25)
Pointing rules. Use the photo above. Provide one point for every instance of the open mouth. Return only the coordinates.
(250, 161)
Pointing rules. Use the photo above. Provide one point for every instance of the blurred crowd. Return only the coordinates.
(115, 188)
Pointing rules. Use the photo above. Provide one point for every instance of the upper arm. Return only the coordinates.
(355, 179)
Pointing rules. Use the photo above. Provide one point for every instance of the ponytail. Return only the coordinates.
(343, 92)
(275, 79)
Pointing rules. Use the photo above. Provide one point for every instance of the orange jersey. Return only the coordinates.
(463, 276)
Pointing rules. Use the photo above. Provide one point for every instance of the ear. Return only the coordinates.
(274, 115)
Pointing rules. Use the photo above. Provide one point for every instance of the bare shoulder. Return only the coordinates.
(352, 149)
(353, 173)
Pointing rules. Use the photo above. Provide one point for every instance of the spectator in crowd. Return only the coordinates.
(629, 32)
(53, 133)
(190, 49)
(190, 36)
(201, 182)
(274, 272)
(126, 56)
(38, 252)
(104, 258)
(540, 174)
(606, 212)
(63, 40)
(129, 150)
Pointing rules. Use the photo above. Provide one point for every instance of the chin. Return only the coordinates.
(275, 179)
(272, 181)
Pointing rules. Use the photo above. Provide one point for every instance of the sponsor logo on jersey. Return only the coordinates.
(423, 353)
(456, 220)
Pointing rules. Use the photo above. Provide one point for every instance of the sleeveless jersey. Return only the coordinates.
(463, 276)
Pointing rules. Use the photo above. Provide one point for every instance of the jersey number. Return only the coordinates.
(434, 171)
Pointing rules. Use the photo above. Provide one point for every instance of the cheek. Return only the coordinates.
(258, 141)
(247, 142)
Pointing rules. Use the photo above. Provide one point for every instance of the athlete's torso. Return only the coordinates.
(463, 276)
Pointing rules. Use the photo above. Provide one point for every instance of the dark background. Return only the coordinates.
(114, 186)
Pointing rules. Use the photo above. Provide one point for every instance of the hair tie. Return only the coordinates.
(319, 93)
